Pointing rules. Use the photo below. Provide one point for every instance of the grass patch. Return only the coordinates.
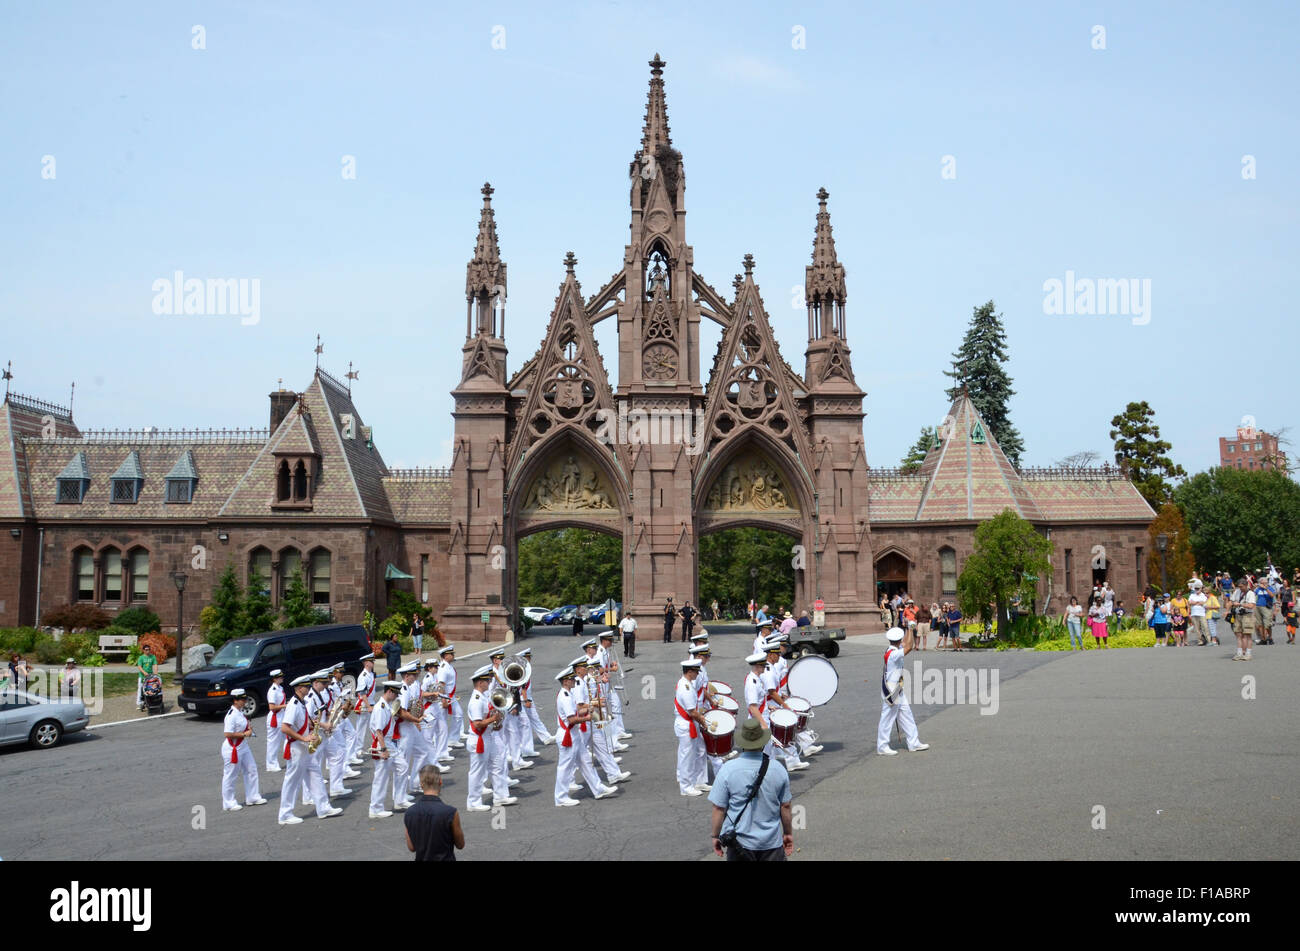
(123, 684)
(1140, 637)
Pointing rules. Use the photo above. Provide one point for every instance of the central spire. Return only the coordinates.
(655, 133)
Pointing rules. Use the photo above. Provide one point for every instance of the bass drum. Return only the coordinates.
(814, 679)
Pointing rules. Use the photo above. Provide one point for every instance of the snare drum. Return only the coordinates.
(801, 707)
(720, 688)
(785, 724)
(719, 732)
(722, 702)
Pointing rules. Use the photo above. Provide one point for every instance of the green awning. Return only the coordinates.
(393, 573)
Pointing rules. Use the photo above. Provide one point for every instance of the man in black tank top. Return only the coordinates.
(433, 829)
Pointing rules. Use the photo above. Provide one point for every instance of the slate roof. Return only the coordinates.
(419, 496)
(184, 468)
(966, 478)
(130, 467)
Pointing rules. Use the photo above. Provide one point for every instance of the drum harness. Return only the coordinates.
(729, 839)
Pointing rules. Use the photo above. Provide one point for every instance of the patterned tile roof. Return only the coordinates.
(130, 467)
(419, 495)
(184, 468)
(76, 468)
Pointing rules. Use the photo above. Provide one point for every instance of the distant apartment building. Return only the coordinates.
(1251, 449)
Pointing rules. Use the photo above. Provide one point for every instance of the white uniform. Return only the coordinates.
(770, 682)
(432, 730)
(756, 696)
(781, 668)
(303, 768)
(232, 763)
(365, 695)
(510, 732)
(415, 747)
(690, 745)
(533, 728)
(274, 738)
(702, 696)
(340, 744)
(318, 710)
(603, 654)
(572, 750)
(899, 710)
(446, 721)
(390, 774)
(595, 739)
(486, 757)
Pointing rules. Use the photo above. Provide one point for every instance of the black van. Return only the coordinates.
(248, 661)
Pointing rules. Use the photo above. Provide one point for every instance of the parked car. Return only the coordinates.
(38, 721)
(536, 614)
(558, 615)
(248, 661)
(597, 614)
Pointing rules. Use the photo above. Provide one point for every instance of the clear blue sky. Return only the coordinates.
(225, 162)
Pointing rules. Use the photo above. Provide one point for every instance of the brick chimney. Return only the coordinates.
(282, 402)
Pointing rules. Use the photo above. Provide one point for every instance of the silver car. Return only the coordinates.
(27, 718)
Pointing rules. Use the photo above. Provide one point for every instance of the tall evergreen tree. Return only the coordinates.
(978, 368)
(916, 455)
(1141, 452)
(258, 615)
(297, 606)
(227, 608)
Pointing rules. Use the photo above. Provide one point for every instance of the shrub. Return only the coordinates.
(405, 603)
(164, 646)
(74, 617)
(207, 620)
(94, 660)
(137, 621)
(17, 640)
(397, 624)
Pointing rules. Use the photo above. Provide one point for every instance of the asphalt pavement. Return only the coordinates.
(1162, 740)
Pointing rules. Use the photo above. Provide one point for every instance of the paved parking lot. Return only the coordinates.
(1162, 740)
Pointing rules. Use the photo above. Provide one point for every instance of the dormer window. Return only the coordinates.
(295, 477)
(179, 490)
(181, 479)
(127, 480)
(73, 481)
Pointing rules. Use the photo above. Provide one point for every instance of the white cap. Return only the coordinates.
(238, 693)
(589, 642)
(304, 679)
(366, 657)
(700, 649)
(702, 636)
(482, 673)
(693, 664)
(393, 685)
(321, 675)
(758, 658)
(277, 672)
(894, 634)
(526, 652)
(447, 650)
(411, 668)
(566, 672)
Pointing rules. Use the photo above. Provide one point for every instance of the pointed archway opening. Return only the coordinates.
(744, 562)
(891, 574)
(573, 568)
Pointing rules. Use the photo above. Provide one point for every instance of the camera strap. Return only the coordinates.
(753, 791)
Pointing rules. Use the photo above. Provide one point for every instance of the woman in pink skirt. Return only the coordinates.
(1097, 621)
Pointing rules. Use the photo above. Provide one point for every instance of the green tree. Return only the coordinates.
(916, 455)
(1009, 558)
(1141, 452)
(569, 566)
(1179, 560)
(727, 556)
(227, 606)
(977, 367)
(296, 605)
(1238, 517)
(258, 615)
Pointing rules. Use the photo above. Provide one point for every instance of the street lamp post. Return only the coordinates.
(1162, 543)
(179, 578)
(753, 585)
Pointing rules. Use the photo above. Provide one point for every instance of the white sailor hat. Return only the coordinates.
(566, 672)
(894, 634)
(702, 636)
(499, 652)
(370, 656)
(393, 685)
(277, 672)
(483, 673)
(298, 681)
(411, 668)
(583, 661)
(321, 675)
(526, 652)
(239, 693)
(338, 666)
(606, 635)
(700, 649)
(431, 662)
(692, 664)
(772, 645)
(589, 642)
(759, 658)
(447, 650)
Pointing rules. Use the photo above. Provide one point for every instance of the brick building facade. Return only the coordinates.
(656, 456)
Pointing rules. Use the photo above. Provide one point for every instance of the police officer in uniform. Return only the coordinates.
(237, 730)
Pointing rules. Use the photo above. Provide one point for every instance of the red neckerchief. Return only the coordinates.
(682, 713)
(234, 745)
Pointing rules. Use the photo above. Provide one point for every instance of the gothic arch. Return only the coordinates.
(775, 452)
(570, 440)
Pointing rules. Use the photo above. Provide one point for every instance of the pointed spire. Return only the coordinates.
(655, 133)
(485, 273)
(570, 262)
(824, 278)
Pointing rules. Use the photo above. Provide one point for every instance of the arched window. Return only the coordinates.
(83, 570)
(300, 482)
(259, 567)
(110, 562)
(290, 563)
(282, 482)
(948, 570)
(139, 562)
(658, 271)
(320, 577)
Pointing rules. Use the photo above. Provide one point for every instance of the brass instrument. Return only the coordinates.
(502, 702)
(597, 702)
(313, 738)
(340, 710)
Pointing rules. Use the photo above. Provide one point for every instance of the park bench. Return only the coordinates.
(116, 644)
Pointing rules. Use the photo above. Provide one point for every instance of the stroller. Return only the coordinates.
(153, 694)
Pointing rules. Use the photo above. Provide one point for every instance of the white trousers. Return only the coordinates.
(247, 766)
(572, 758)
(690, 761)
(321, 757)
(340, 746)
(432, 735)
(445, 725)
(901, 711)
(538, 728)
(360, 734)
(274, 742)
(456, 722)
(302, 771)
(417, 751)
(484, 767)
(385, 780)
(513, 734)
(601, 751)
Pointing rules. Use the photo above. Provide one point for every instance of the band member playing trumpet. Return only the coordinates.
(302, 769)
(318, 707)
(689, 727)
(237, 730)
(572, 718)
(484, 754)
(609, 662)
(385, 749)
(592, 688)
(341, 735)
